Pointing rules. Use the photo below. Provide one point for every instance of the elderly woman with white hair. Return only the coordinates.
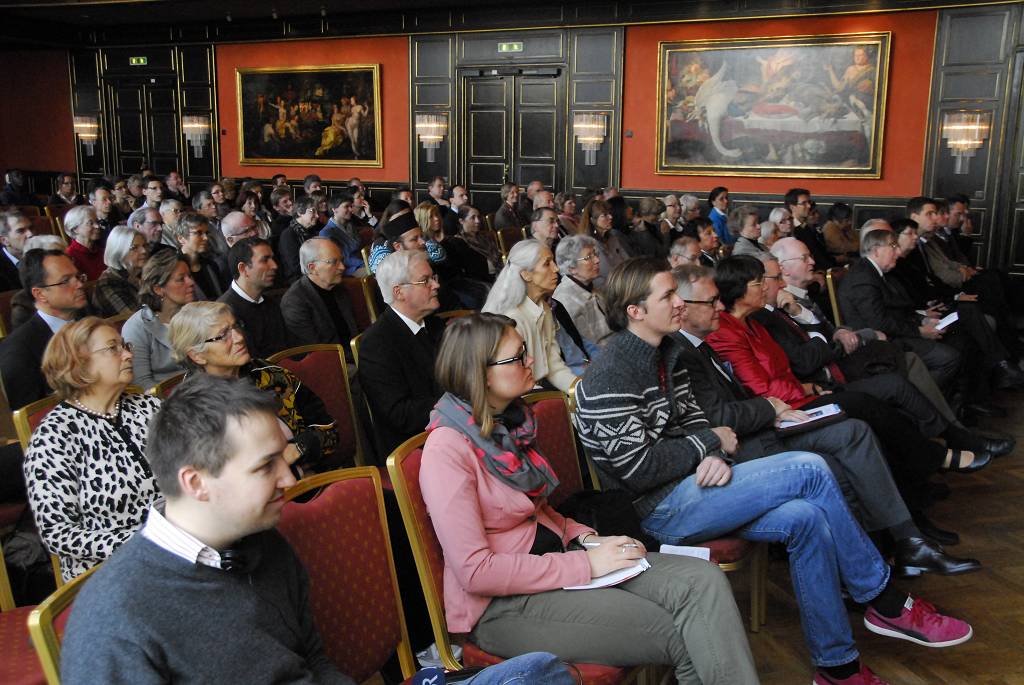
(743, 223)
(781, 217)
(520, 292)
(117, 290)
(85, 250)
(579, 261)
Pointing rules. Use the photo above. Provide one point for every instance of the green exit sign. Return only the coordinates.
(516, 46)
(138, 61)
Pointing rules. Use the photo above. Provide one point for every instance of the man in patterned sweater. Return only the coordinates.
(640, 423)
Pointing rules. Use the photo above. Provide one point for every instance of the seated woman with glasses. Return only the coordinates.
(206, 338)
(579, 262)
(86, 249)
(521, 292)
(117, 290)
(612, 244)
(166, 287)
(508, 554)
(193, 235)
(89, 484)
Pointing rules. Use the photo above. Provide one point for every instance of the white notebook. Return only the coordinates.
(614, 578)
(815, 414)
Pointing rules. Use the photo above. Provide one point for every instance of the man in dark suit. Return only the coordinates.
(315, 309)
(868, 300)
(396, 354)
(57, 289)
(450, 213)
(252, 261)
(435, 192)
(15, 229)
(849, 446)
(798, 202)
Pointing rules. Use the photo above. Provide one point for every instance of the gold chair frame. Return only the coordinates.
(42, 630)
(833, 294)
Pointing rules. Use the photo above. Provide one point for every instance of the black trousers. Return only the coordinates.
(897, 391)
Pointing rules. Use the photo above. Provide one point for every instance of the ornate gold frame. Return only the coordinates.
(376, 162)
(881, 41)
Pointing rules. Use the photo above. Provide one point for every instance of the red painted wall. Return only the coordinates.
(911, 51)
(392, 54)
(35, 111)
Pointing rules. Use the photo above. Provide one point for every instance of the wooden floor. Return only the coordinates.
(987, 509)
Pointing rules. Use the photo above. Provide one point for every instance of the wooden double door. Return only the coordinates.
(514, 130)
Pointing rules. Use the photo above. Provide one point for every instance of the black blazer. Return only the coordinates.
(21, 356)
(809, 236)
(869, 301)
(307, 318)
(726, 403)
(9, 277)
(396, 373)
(808, 356)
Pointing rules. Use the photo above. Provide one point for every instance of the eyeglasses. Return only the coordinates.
(429, 279)
(711, 303)
(802, 258)
(328, 262)
(114, 348)
(521, 358)
(773, 278)
(66, 281)
(589, 257)
(756, 284)
(894, 245)
(236, 326)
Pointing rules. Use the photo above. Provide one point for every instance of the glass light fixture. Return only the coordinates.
(88, 131)
(197, 132)
(431, 130)
(590, 130)
(965, 132)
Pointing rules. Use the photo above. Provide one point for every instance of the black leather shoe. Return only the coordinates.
(914, 556)
(990, 411)
(934, 533)
(997, 447)
(981, 460)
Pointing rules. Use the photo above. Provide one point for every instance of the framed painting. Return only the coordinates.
(310, 116)
(794, 106)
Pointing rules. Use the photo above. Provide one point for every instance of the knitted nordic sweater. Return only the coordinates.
(643, 433)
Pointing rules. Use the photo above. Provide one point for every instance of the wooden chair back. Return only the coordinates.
(43, 225)
(164, 388)
(364, 316)
(47, 622)
(556, 440)
(28, 210)
(507, 237)
(56, 211)
(833, 277)
(6, 311)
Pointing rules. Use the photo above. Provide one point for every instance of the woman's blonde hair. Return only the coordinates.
(67, 356)
(425, 212)
(191, 326)
(469, 344)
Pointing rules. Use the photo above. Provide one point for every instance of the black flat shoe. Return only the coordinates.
(914, 556)
(998, 447)
(981, 460)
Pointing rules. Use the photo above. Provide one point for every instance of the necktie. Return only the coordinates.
(831, 369)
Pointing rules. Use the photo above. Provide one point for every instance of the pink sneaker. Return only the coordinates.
(920, 622)
(865, 677)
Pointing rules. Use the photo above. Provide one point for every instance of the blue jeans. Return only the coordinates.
(790, 497)
(535, 667)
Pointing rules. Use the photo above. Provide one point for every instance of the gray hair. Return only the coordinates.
(873, 239)
(768, 230)
(509, 288)
(394, 270)
(138, 217)
(77, 216)
(874, 225)
(766, 257)
(119, 244)
(679, 245)
(309, 251)
(569, 250)
(229, 224)
(778, 214)
(688, 274)
(199, 198)
(190, 327)
(187, 223)
(169, 204)
(738, 217)
(45, 242)
(688, 202)
(7, 220)
(781, 247)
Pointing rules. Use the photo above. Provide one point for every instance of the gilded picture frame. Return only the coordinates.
(801, 106)
(310, 115)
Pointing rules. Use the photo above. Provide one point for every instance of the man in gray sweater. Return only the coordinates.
(208, 591)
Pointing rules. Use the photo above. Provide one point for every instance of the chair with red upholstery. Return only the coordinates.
(556, 440)
(404, 467)
(18, 662)
(29, 210)
(324, 371)
(46, 624)
(360, 310)
(43, 225)
(341, 537)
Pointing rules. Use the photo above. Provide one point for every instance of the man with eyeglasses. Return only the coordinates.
(170, 212)
(315, 309)
(153, 192)
(252, 263)
(798, 202)
(58, 291)
(396, 353)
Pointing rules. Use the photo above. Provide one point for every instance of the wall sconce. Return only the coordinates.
(590, 131)
(197, 132)
(431, 130)
(965, 132)
(88, 131)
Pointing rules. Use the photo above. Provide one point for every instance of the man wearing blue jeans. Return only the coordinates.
(640, 423)
(208, 591)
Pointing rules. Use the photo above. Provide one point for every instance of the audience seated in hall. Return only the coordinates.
(399, 230)
(315, 309)
(686, 488)
(204, 204)
(101, 199)
(170, 212)
(193, 236)
(612, 245)
(153, 192)
(67, 192)
(117, 289)
(544, 227)
(86, 246)
(485, 264)
(685, 250)
(799, 204)
(579, 263)
(252, 262)
(341, 229)
(248, 203)
(281, 204)
(302, 227)
(15, 190)
(568, 213)
(718, 214)
(511, 213)
(841, 241)
(15, 229)
(450, 213)
(176, 188)
(58, 292)
(744, 224)
(149, 223)
(89, 484)
(397, 353)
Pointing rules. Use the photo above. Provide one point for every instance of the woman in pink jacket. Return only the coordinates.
(508, 554)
